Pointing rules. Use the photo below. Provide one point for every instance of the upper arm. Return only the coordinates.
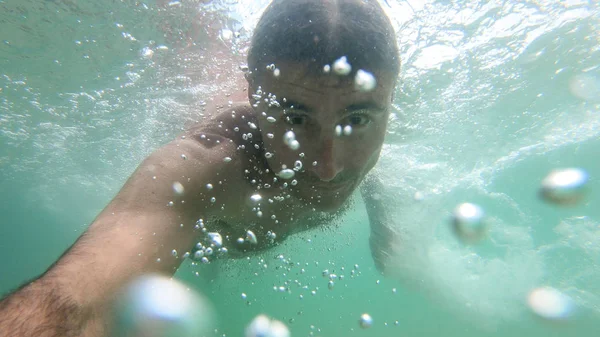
(149, 225)
(371, 191)
(382, 234)
(175, 177)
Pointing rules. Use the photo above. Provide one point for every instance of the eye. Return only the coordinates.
(296, 119)
(359, 119)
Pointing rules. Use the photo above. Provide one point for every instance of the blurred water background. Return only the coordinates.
(493, 95)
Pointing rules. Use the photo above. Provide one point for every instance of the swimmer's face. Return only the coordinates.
(316, 108)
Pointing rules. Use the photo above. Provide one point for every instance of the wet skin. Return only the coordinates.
(314, 106)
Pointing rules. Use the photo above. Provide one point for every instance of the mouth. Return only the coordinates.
(331, 187)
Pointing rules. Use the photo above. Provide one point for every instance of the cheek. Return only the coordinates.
(362, 150)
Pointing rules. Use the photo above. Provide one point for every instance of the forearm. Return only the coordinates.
(43, 308)
(134, 235)
(74, 297)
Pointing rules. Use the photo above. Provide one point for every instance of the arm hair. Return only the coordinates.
(39, 308)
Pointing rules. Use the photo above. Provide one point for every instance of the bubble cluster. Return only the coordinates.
(564, 187)
(289, 139)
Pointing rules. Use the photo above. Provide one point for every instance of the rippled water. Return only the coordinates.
(493, 96)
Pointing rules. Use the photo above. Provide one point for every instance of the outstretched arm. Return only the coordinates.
(137, 233)
(382, 235)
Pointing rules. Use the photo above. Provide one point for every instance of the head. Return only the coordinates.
(338, 124)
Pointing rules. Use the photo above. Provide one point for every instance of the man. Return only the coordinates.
(320, 83)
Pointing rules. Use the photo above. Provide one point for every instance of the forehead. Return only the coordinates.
(297, 80)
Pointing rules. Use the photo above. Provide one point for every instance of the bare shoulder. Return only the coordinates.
(202, 167)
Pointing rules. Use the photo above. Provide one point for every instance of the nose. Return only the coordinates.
(328, 166)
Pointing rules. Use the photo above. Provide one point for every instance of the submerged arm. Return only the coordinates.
(382, 234)
(137, 233)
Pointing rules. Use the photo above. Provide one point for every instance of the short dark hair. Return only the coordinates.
(318, 32)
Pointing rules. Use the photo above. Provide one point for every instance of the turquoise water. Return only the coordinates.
(493, 96)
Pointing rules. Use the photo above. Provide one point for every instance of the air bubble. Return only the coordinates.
(271, 119)
(154, 300)
(338, 130)
(550, 303)
(255, 197)
(294, 145)
(251, 237)
(199, 254)
(341, 66)
(147, 53)
(209, 186)
(262, 326)
(347, 130)
(286, 174)
(564, 187)
(365, 321)
(418, 196)
(226, 34)
(227, 159)
(215, 238)
(586, 87)
(326, 68)
(364, 81)
(469, 223)
(288, 138)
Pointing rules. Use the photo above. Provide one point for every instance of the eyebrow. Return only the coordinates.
(371, 106)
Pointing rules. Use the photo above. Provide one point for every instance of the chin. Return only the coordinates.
(329, 204)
